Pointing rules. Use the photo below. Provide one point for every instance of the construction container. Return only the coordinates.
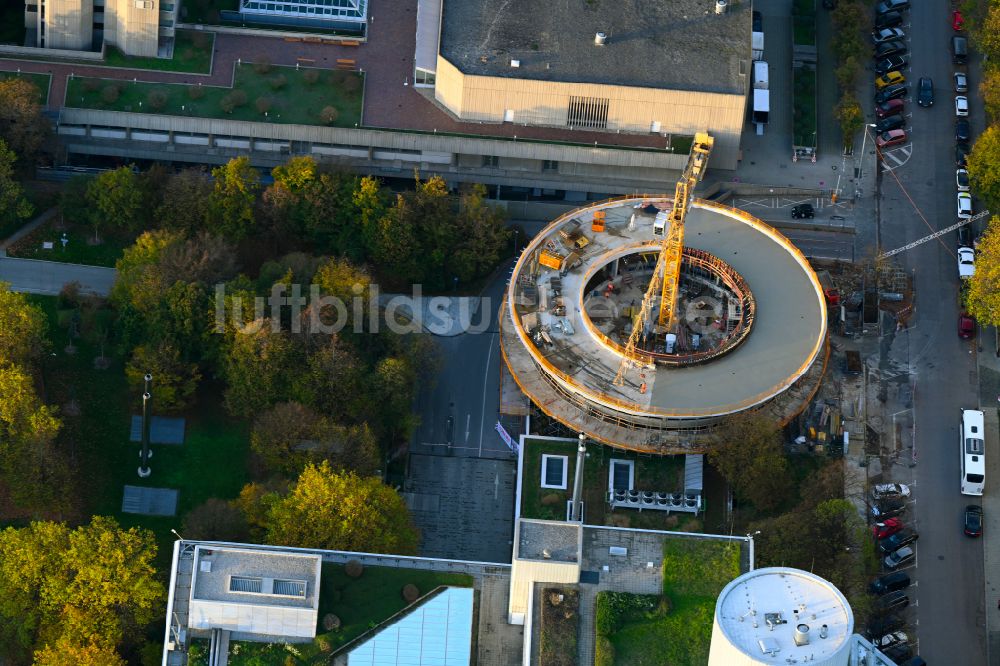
(550, 259)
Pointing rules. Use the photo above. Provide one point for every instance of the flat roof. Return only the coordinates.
(747, 603)
(560, 540)
(681, 44)
(215, 566)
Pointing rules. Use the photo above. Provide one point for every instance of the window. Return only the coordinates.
(621, 474)
(554, 470)
(550, 165)
(589, 112)
(491, 161)
(422, 77)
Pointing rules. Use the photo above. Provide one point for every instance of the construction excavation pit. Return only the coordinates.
(581, 336)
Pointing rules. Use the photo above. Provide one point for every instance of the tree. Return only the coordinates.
(23, 333)
(233, 198)
(983, 298)
(850, 116)
(174, 380)
(66, 652)
(295, 174)
(204, 258)
(989, 90)
(341, 511)
(261, 367)
(110, 93)
(344, 281)
(14, 207)
(185, 202)
(749, 455)
(984, 167)
(263, 105)
(157, 99)
(216, 520)
(22, 126)
(483, 236)
(136, 285)
(310, 77)
(73, 200)
(988, 34)
(329, 115)
(118, 198)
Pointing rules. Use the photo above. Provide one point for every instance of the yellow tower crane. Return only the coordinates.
(667, 274)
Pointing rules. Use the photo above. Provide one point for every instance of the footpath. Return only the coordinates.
(989, 402)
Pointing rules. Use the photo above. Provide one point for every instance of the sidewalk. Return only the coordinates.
(989, 392)
(27, 229)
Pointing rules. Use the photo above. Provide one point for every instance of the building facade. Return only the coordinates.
(136, 27)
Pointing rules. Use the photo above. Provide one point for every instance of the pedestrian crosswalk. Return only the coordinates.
(897, 157)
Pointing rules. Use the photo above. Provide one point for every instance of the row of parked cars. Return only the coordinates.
(896, 544)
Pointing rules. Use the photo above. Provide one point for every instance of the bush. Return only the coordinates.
(263, 105)
(196, 92)
(331, 622)
(110, 94)
(329, 115)
(226, 104)
(91, 85)
(410, 593)
(604, 652)
(69, 296)
(157, 99)
(351, 83)
(354, 569)
(239, 97)
(614, 608)
(551, 499)
(262, 66)
(310, 76)
(278, 82)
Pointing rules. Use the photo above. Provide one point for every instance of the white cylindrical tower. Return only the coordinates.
(771, 615)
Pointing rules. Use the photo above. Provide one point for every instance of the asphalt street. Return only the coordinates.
(948, 572)
(48, 277)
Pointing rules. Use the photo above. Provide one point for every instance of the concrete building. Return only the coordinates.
(135, 27)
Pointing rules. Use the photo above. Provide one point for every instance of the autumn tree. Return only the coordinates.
(22, 126)
(233, 198)
(984, 167)
(14, 207)
(989, 90)
(748, 452)
(117, 199)
(185, 201)
(174, 380)
(983, 298)
(23, 329)
(987, 35)
(483, 235)
(339, 510)
(261, 368)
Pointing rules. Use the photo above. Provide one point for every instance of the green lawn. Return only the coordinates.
(192, 53)
(694, 572)
(290, 97)
(210, 463)
(804, 106)
(656, 473)
(41, 82)
(80, 248)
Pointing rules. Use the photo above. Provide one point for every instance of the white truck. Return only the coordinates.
(761, 96)
(757, 37)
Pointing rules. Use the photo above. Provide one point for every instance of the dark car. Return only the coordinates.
(898, 540)
(925, 92)
(888, 509)
(894, 107)
(885, 625)
(898, 652)
(758, 22)
(966, 325)
(888, 20)
(962, 129)
(887, 6)
(962, 151)
(891, 64)
(891, 92)
(894, 601)
(973, 520)
(886, 49)
(890, 123)
(898, 580)
(803, 212)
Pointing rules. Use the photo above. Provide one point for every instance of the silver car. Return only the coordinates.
(899, 558)
(961, 82)
(890, 491)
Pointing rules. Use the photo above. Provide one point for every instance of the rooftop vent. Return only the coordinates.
(246, 584)
(600, 39)
(824, 631)
(546, 553)
(773, 620)
(721, 6)
(515, 63)
(801, 635)
(289, 588)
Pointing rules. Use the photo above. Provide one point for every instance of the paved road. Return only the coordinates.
(949, 567)
(49, 277)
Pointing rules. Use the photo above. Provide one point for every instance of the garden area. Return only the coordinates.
(657, 473)
(192, 53)
(261, 92)
(41, 82)
(80, 247)
(560, 623)
(674, 628)
(804, 106)
(353, 600)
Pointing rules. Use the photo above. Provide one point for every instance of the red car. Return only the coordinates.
(887, 528)
(891, 138)
(966, 326)
(956, 20)
(893, 107)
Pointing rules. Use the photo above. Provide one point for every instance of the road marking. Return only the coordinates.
(468, 416)
(486, 378)
(894, 157)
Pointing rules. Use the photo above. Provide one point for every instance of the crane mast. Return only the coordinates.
(667, 274)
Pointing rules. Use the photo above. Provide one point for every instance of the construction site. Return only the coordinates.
(643, 321)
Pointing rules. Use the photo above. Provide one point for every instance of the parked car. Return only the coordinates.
(894, 601)
(899, 558)
(884, 625)
(803, 212)
(888, 509)
(891, 639)
(925, 92)
(892, 92)
(887, 6)
(962, 129)
(956, 20)
(887, 528)
(897, 580)
(880, 35)
(959, 50)
(961, 82)
(966, 326)
(893, 107)
(965, 237)
(973, 521)
(962, 180)
(964, 205)
(890, 491)
(757, 22)
(891, 64)
(961, 105)
(886, 49)
(898, 652)
(889, 79)
(897, 541)
(890, 123)
(962, 151)
(966, 262)
(888, 20)
(890, 138)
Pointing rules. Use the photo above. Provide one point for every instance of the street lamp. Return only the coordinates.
(750, 536)
(176, 534)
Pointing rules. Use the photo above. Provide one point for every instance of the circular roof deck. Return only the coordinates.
(787, 336)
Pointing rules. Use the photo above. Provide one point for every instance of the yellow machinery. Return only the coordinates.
(667, 275)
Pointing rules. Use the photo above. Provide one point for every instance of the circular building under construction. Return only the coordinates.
(746, 331)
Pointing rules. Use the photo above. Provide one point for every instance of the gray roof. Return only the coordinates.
(560, 540)
(675, 44)
(211, 579)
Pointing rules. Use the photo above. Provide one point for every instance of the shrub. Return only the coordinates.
(354, 569)
(262, 66)
(263, 105)
(91, 85)
(196, 92)
(351, 83)
(239, 97)
(310, 76)
(226, 103)
(614, 608)
(278, 82)
(157, 99)
(604, 652)
(551, 499)
(331, 622)
(110, 94)
(69, 296)
(410, 593)
(329, 115)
